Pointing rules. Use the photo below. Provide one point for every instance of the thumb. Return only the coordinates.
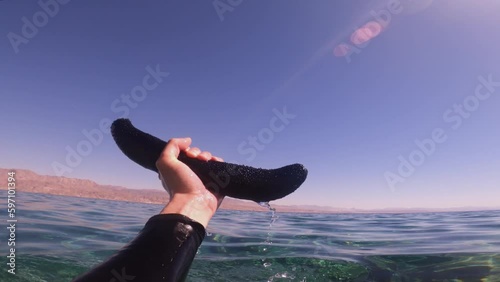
(168, 157)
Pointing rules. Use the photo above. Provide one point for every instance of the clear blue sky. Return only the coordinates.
(355, 112)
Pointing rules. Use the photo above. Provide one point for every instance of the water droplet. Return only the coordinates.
(264, 204)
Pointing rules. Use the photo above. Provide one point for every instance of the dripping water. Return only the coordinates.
(274, 217)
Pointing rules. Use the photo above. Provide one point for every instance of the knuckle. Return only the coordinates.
(172, 140)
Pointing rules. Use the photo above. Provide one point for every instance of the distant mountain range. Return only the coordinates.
(29, 181)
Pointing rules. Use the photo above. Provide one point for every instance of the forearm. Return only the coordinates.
(199, 208)
(163, 251)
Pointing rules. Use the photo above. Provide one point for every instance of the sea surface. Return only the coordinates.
(58, 238)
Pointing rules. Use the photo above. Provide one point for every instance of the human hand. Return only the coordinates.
(188, 195)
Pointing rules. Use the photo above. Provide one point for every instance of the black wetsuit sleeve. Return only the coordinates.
(163, 251)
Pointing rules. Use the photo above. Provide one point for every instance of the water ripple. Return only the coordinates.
(73, 234)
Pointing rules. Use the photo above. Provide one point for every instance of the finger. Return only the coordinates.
(173, 148)
(205, 156)
(193, 152)
(176, 145)
(217, 159)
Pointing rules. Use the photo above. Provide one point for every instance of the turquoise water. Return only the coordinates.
(60, 237)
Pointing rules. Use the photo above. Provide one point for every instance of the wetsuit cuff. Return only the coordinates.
(169, 217)
(163, 251)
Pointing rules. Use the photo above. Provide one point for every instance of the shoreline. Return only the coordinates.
(287, 209)
(31, 182)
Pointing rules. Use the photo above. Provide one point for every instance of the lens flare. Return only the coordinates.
(366, 33)
(341, 50)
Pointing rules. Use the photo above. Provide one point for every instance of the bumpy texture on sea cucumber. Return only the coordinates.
(237, 181)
